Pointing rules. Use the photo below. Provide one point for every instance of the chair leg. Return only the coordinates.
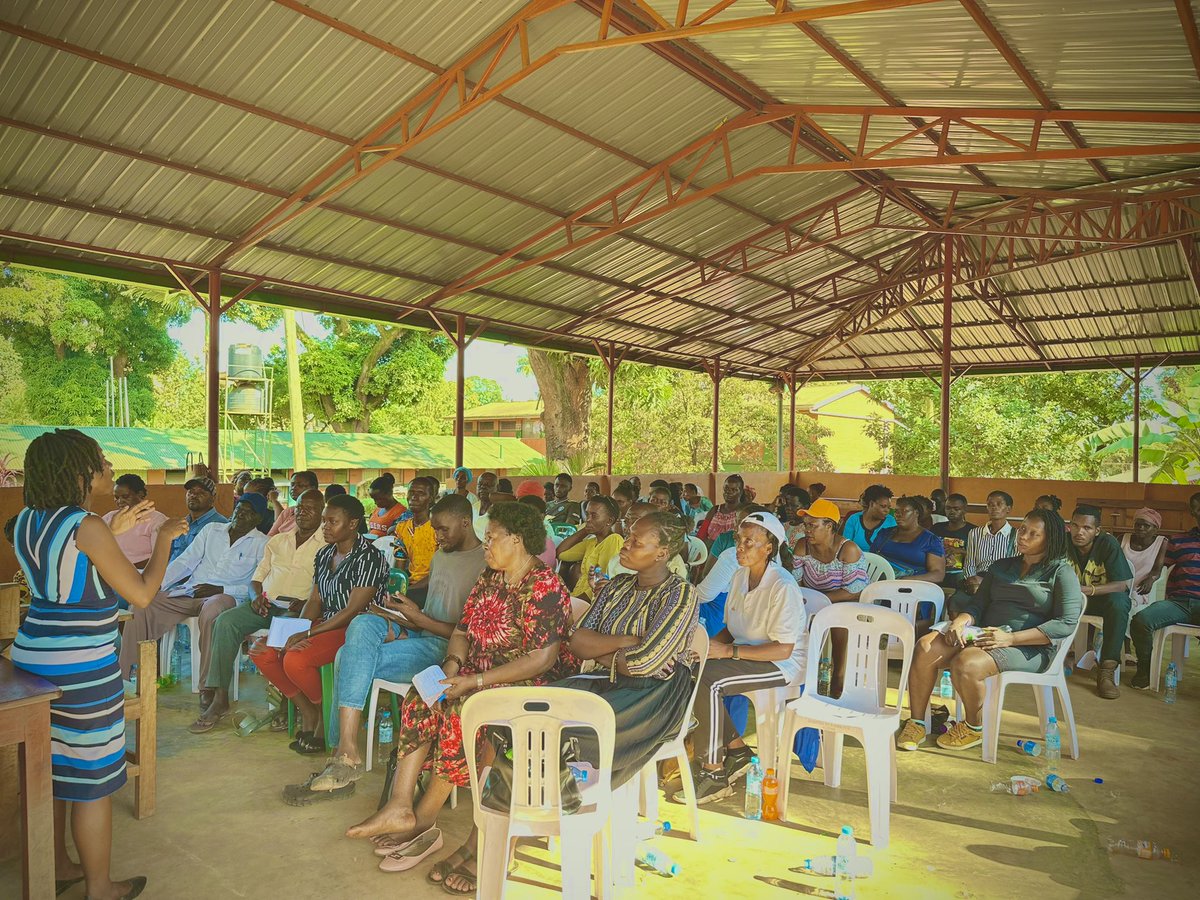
(237, 674)
(1043, 699)
(575, 854)
(372, 707)
(689, 795)
(993, 707)
(832, 741)
(1156, 658)
(648, 791)
(604, 873)
(879, 787)
(1064, 698)
(893, 753)
(327, 701)
(492, 858)
(766, 724)
(783, 762)
(193, 625)
(1179, 645)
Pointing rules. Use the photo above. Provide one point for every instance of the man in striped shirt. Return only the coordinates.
(989, 542)
(1182, 603)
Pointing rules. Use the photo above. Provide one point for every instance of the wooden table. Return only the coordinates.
(25, 721)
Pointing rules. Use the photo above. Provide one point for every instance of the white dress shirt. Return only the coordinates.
(210, 559)
(287, 570)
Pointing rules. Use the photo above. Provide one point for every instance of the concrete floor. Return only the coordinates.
(222, 831)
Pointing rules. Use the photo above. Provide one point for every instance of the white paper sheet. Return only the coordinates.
(428, 683)
(283, 628)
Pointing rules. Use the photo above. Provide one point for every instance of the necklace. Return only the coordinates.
(524, 571)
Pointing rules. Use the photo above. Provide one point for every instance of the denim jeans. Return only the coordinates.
(1172, 611)
(365, 657)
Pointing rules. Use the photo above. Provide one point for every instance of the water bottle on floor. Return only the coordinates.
(1056, 784)
(1053, 750)
(946, 686)
(385, 729)
(754, 789)
(846, 863)
(644, 831)
(1029, 748)
(1140, 849)
(1097, 643)
(656, 860)
(1172, 683)
(827, 865)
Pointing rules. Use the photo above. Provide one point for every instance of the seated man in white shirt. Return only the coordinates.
(279, 587)
(217, 565)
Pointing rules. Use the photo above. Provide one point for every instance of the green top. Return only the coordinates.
(1106, 563)
(1048, 598)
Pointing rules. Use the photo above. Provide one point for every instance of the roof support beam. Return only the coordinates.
(658, 192)
(1187, 19)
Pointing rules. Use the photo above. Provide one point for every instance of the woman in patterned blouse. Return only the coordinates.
(639, 629)
(513, 630)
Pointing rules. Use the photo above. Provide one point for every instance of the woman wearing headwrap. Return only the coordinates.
(1144, 547)
(462, 478)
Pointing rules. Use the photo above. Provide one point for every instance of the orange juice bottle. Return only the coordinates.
(770, 811)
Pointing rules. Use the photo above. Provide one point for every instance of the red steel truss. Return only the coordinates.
(662, 189)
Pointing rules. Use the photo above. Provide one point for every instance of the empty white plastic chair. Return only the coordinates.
(675, 749)
(858, 712)
(878, 568)
(1044, 685)
(1179, 635)
(905, 597)
(536, 717)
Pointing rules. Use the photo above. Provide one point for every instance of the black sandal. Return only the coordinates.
(442, 870)
(307, 743)
(461, 871)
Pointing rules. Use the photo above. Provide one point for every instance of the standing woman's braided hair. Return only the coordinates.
(59, 467)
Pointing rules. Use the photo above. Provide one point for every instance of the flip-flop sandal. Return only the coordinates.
(338, 773)
(461, 872)
(389, 844)
(412, 854)
(308, 744)
(304, 795)
(204, 726)
(442, 870)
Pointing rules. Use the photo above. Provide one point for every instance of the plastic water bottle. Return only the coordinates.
(1018, 786)
(397, 581)
(1172, 683)
(644, 831)
(1029, 748)
(824, 676)
(656, 860)
(177, 651)
(845, 864)
(385, 728)
(1053, 745)
(770, 789)
(133, 677)
(1140, 849)
(826, 865)
(754, 790)
(1097, 643)
(946, 686)
(1056, 784)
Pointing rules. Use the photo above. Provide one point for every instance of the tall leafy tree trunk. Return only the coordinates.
(565, 383)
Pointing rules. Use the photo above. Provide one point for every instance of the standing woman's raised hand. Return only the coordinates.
(129, 516)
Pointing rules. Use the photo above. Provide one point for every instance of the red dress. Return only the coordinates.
(502, 622)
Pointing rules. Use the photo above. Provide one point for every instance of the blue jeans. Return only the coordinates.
(365, 657)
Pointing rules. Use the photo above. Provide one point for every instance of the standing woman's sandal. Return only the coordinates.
(136, 886)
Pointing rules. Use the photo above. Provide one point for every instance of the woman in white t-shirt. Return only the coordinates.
(762, 646)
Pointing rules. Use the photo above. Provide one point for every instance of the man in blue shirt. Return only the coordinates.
(201, 495)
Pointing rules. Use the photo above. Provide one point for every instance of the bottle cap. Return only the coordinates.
(666, 826)
(1054, 720)
(846, 829)
(754, 760)
(1097, 781)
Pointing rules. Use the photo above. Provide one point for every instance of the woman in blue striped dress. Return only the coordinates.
(76, 572)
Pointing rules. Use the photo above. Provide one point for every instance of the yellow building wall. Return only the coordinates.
(849, 447)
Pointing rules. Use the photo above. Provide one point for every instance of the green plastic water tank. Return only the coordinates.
(246, 400)
(245, 361)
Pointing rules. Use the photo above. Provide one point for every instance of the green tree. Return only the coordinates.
(65, 330)
(1003, 426)
(180, 395)
(433, 413)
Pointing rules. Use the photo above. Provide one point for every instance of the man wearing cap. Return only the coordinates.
(217, 566)
(201, 495)
(1104, 578)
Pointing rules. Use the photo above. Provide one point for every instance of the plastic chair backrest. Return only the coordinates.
(700, 651)
(814, 602)
(1159, 589)
(579, 608)
(536, 717)
(865, 625)
(697, 551)
(878, 568)
(904, 596)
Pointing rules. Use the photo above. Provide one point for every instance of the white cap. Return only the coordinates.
(770, 523)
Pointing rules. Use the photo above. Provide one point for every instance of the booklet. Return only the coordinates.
(428, 683)
(283, 628)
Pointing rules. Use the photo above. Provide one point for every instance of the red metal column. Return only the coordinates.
(611, 363)
(460, 389)
(947, 300)
(792, 451)
(213, 460)
(715, 374)
(1137, 419)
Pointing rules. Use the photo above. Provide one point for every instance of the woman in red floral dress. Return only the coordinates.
(513, 631)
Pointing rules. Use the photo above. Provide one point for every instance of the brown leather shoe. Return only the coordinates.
(1106, 683)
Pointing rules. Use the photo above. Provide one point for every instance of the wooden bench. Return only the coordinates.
(141, 760)
(25, 721)
(1120, 510)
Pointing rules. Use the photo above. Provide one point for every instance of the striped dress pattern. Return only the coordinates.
(68, 638)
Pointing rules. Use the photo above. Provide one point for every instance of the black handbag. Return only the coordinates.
(497, 786)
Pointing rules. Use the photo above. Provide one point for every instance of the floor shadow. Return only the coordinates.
(794, 886)
(1079, 867)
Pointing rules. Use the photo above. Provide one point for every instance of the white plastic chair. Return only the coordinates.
(696, 552)
(399, 688)
(858, 712)
(675, 749)
(1179, 635)
(166, 646)
(906, 597)
(1044, 685)
(579, 609)
(814, 602)
(536, 717)
(878, 568)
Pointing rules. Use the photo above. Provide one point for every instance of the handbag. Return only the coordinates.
(496, 793)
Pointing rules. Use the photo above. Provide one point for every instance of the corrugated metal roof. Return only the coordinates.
(146, 129)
